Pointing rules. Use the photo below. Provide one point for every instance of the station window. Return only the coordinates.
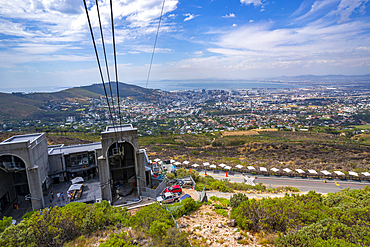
(81, 159)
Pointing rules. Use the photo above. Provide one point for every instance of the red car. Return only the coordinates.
(174, 189)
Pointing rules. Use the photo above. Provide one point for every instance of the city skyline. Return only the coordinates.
(48, 44)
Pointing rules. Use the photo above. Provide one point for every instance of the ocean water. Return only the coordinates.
(177, 85)
(215, 85)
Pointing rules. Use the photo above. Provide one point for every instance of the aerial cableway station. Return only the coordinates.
(29, 168)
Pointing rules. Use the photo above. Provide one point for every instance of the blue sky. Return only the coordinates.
(45, 45)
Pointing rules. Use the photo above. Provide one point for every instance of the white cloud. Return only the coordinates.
(231, 15)
(234, 25)
(39, 48)
(250, 21)
(316, 46)
(61, 22)
(189, 16)
(316, 7)
(254, 2)
(149, 49)
(347, 7)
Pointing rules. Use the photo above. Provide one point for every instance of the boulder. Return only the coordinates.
(196, 226)
(232, 223)
(238, 236)
(183, 225)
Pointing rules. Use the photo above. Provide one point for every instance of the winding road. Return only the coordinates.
(303, 184)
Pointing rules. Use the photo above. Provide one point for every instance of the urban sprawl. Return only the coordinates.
(332, 110)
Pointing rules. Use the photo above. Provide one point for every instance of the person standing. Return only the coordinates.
(51, 202)
(62, 194)
(52, 194)
(68, 196)
(58, 196)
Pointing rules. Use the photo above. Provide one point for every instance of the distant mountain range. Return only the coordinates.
(324, 78)
(32, 105)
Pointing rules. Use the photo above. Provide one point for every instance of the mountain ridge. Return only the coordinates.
(33, 105)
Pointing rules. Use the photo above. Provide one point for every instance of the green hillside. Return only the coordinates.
(15, 107)
(18, 106)
(125, 91)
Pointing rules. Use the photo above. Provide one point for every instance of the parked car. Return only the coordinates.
(184, 197)
(174, 189)
(175, 182)
(168, 197)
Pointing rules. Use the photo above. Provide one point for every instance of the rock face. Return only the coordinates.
(232, 223)
(221, 226)
(238, 236)
(183, 225)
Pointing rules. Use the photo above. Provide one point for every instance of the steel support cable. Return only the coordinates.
(97, 59)
(105, 56)
(115, 65)
(155, 43)
(115, 58)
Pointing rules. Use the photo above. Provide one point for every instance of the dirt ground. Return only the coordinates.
(193, 193)
(207, 227)
(240, 133)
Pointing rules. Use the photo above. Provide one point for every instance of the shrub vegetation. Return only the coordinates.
(338, 219)
(58, 226)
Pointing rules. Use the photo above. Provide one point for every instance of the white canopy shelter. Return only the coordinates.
(157, 160)
(222, 165)
(194, 165)
(263, 169)
(172, 161)
(177, 163)
(75, 187)
(353, 173)
(77, 180)
(206, 164)
(251, 168)
(325, 172)
(287, 170)
(339, 173)
(312, 171)
(239, 166)
(274, 169)
(227, 167)
(186, 162)
(212, 166)
(365, 174)
(299, 170)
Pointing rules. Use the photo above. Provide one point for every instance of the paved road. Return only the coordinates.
(303, 184)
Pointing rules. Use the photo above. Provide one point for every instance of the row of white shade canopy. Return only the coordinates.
(264, 169)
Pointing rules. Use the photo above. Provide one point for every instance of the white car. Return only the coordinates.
(168, 197)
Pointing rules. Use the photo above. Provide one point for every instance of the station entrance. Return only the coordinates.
(121, 158)
(14, 182)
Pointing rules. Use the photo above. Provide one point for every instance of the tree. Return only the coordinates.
(237, 199)
(5, 222)
(173, 238)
